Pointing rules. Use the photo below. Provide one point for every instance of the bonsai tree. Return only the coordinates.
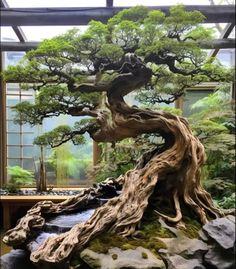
(136, 50)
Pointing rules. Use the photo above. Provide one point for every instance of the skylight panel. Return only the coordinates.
(232, 34)
(8, 35)
(213, 26)
(55, 3)
(38, 33)
(159, 2)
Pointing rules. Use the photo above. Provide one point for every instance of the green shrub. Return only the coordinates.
(227, 202)
(215, 127)
(18, 177)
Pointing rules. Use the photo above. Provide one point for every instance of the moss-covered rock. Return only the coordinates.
(147, 238)
(116, 258)
(150, 236)
(89, 258)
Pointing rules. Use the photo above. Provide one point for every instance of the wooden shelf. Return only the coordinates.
(11, 203)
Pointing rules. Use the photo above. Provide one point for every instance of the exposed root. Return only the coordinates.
(178, 216)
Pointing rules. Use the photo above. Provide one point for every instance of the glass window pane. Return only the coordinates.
(158, 3)
(13, 88)
(10, 114)
(13, 162)
(36, 151)
(226, 57)
(14, 139)
(28, 151)
(27, 128)
(13, 57)
(38, 33)
(12, 127)
(192, 97)
(29, 98)
(13, 152)
(56, 3)
(12, 100)
(232, 34)
(28, 164)
(28, 139)
(7, 34)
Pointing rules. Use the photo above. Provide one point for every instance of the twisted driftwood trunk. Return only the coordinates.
(176, 165)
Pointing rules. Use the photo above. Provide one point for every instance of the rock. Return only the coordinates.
(220, 259)
(178, 262)
(192, 250)
(182, 245)
(16, 259)
(231, 218)
(139, 258)
(222, 231)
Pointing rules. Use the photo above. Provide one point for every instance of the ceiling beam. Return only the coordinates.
(18, 31)
(224, 43)
(225, 34)
(18, 46)
(109, 3)
(81, 16)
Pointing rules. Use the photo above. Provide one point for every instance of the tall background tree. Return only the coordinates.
(138, 50)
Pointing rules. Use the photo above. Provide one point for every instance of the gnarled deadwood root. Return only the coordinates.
(183, 156)
(122, 214)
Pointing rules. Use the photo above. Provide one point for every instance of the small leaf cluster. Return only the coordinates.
(65, 133)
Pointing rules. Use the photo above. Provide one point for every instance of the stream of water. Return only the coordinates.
(19, 259)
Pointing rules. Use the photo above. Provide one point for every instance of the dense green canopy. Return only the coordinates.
(167, 46)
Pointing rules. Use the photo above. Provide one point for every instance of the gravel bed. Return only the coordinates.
(34, 192)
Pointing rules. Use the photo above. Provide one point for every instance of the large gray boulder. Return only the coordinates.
(16, 259)
(221, 239)
(220, 259)
(182, 245)
(221, 231)
(139, 258)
